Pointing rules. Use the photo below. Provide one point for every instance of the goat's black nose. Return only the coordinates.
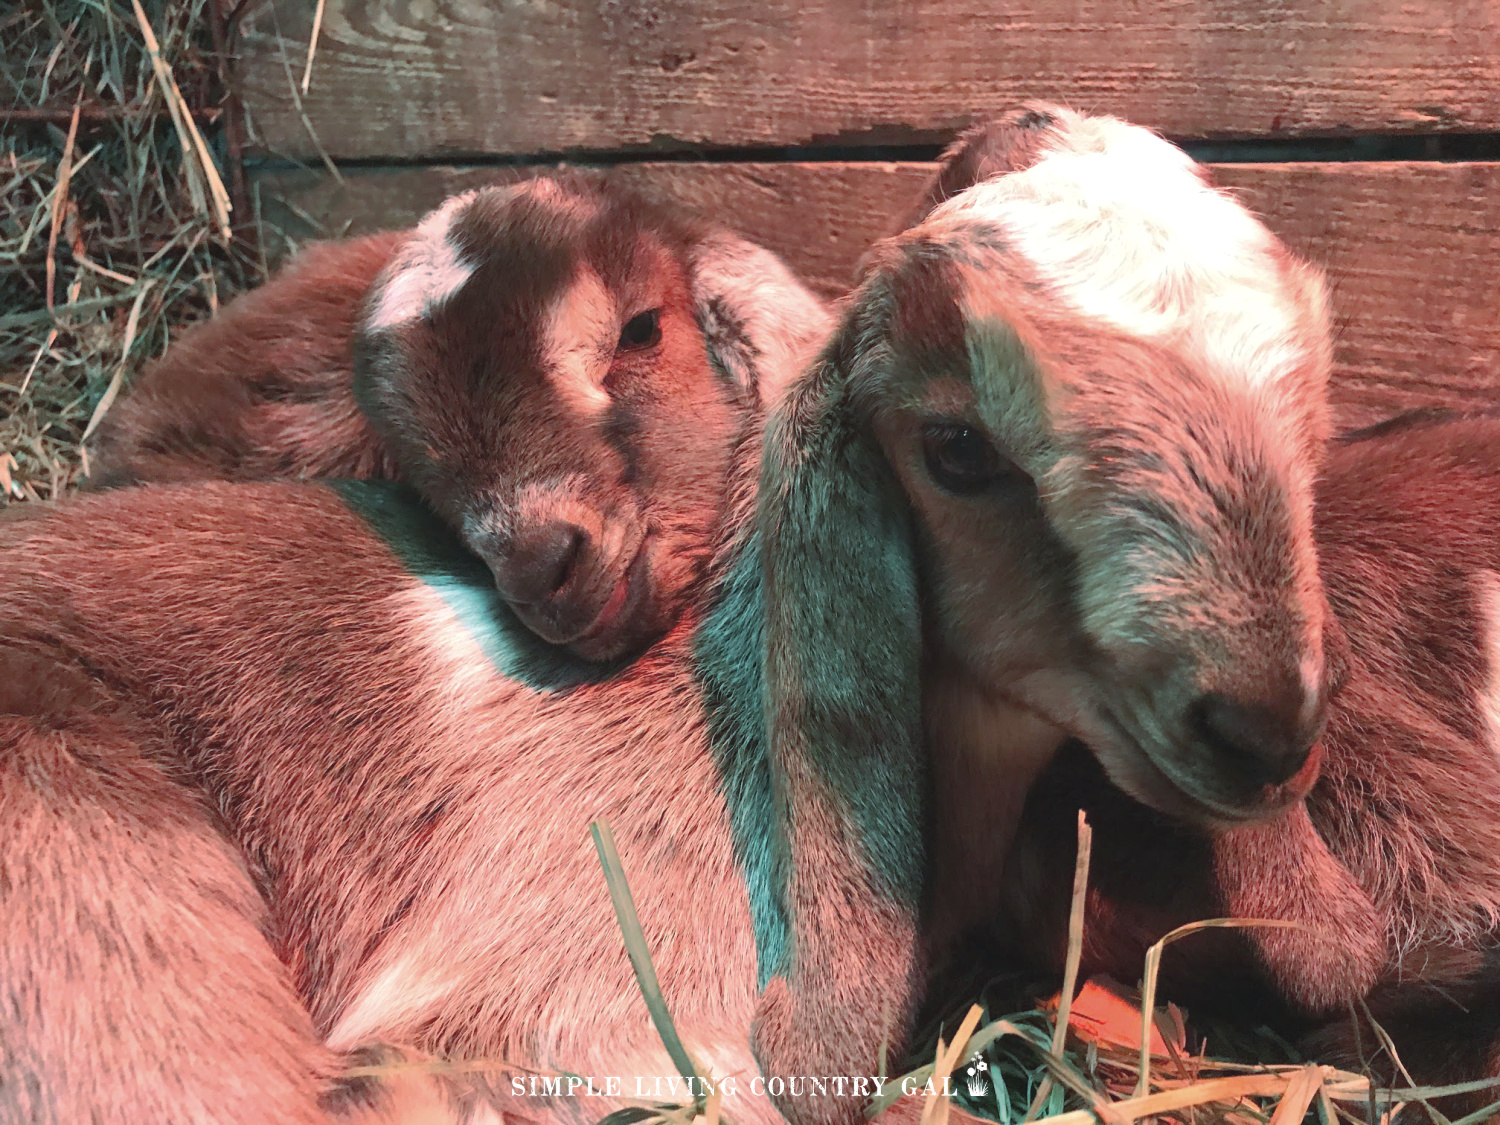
(541, 560)
(1266, 742)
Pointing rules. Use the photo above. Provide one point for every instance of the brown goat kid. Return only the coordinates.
(1053, 477)
(537, 401)
(1391, 869)
(560, 368)
(1408, 801)
(410, 772)
(410, 775)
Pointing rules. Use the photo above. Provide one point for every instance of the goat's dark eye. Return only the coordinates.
(962, 460)
(641, 331)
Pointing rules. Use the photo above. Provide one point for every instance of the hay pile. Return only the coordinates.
(114, 214)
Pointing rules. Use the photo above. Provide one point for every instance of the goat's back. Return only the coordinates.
(412, 772)
(261, 391)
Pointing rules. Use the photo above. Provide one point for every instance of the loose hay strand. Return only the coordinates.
(187, 130)
(312, 44)
(60, 199)
(114, 384)
(81, 237)
(638, 951)
(1077, 912)
(1153, 966)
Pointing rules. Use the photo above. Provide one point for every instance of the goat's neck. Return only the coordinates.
(984, 753)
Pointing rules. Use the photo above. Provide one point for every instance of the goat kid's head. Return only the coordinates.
(1096, 386)
(564, 372)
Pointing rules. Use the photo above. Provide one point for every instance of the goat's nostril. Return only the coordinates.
(1263, 741)
(566, 546)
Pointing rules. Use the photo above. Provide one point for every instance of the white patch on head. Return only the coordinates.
(1124, 229)
(426, 271)
(1487, 601)
(784, 322)
(579, 333)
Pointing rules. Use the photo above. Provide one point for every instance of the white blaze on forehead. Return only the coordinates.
(579, 332)
(427, 270)
(1123, 229)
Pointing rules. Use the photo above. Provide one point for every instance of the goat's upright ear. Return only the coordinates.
(1010, 143)
(842, 661)
(760, 324)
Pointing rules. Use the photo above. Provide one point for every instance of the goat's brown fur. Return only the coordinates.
(1056, 464)
(418, 817)
(488, 351)
(263, 389)
(126, 921)
(272, 685)
(1406, 812)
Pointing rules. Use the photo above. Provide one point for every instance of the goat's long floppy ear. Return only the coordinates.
(843, 703)
(761, 325)
(1010, 143)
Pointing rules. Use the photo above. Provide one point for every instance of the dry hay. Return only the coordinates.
(113, 214)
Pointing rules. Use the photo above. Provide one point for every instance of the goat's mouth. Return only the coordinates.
(1161, 772)
(602, 609)
(1168, 777)
(626, 620)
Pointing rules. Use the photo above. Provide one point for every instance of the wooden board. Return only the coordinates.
(821, 217)
(1413, 255)
(399, 78)
(1412, 249)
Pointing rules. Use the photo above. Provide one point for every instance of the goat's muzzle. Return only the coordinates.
(1266, 742)
(1217, 761)
(568, 589)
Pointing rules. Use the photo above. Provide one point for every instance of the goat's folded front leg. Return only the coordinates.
(1331, 953)
(1444, 1023)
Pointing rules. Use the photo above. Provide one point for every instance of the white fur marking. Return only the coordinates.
(1123, 227)
(1311, 668)
(472, 652)
(399, 995)
(1487, 601)
(784, 322)
(426, 271)
(579, 333)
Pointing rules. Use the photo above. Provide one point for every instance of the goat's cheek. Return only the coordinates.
(684, 450)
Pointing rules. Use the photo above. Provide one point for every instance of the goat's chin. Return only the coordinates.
(1203, 806)
(628, 638)
(1155, 776)
(634, 616)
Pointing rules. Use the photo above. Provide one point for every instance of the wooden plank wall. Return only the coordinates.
(794, 103)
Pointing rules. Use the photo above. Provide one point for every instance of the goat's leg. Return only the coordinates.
(1335, 947)
(136, 983)
(1445, 1032)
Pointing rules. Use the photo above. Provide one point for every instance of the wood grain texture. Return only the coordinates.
(1412, 250)
(1413, 255)
(821, 217)
(447, 78)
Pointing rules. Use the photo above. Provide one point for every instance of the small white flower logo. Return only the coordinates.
(976, 1083)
